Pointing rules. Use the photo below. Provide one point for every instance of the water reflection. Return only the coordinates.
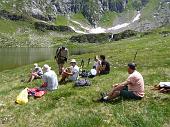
(14, 57)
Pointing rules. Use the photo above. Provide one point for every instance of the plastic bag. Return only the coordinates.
(22, 98)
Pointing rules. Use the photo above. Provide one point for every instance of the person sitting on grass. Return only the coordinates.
(36, 73)
(71, 72)
(50, 81)
(104, 67)
(97, 63)
(132, 88)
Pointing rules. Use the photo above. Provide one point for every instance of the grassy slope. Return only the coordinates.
(80, 18)
(61, 20)
(149, 9)
(107, 19)
(73, 107)
(13, 33)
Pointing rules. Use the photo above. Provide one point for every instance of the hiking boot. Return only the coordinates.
(103, 94)
(102, 100)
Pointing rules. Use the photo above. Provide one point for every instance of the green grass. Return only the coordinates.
(107, 19)
(73, 107)
(8, 26)
(148, 10)
(61, 20)
(80, 18)
(23, 34)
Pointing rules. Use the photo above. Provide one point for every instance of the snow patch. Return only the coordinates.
(77, 31)
(97, 30)
(119, 26)
(137, 17)
(86, 28)
(103, 30)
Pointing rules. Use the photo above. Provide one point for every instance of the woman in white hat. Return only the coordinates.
(50, 79)
(71, 73)
(36, 73)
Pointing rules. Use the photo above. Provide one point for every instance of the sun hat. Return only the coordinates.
(46, 67)
(132, 66)
(35, 65)
(96, 57)
(73, 61)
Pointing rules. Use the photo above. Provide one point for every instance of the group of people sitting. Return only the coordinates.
(132, 88)
(49, 77)
(100, 67)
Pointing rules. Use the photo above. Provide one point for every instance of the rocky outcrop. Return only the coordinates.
(11, 16)
(92, 10)
(47, 9)
(44, 26)
(103, 37)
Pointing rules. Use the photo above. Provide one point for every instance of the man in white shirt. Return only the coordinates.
(71, 72)
(50, 79)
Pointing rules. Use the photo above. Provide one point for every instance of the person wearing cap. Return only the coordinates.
(61, 57)
(36, 73)
(131, 88)
(71, 73)
(50, 81)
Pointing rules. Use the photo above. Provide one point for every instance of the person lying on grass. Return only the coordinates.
(132, 88)
(36, 73)
(71, 72)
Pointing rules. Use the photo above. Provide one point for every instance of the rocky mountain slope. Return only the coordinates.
(80, 16)
(92, 10)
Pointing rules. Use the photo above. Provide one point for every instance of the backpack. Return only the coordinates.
(82, 82)
(86, 74)
(58, 51)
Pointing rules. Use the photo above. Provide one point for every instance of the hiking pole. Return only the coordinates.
(88, 62)
(82, 64)
(135, 56)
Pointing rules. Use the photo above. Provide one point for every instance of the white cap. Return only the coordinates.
(46, 67)
(73, 61)
(35, 65)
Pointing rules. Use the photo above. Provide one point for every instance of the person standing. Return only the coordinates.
(61, 57)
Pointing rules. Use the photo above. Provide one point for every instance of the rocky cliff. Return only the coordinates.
(92, 10)
(48, 9)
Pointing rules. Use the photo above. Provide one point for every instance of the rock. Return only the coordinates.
(11, 16)
(44, 26)
(98, 38)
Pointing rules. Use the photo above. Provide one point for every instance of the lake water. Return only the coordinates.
(15, 57)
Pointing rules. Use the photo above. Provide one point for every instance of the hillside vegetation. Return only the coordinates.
(74, 107)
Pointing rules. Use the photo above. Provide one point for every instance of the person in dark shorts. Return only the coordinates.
(104, 67)
(61, 57)
(131, 88)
